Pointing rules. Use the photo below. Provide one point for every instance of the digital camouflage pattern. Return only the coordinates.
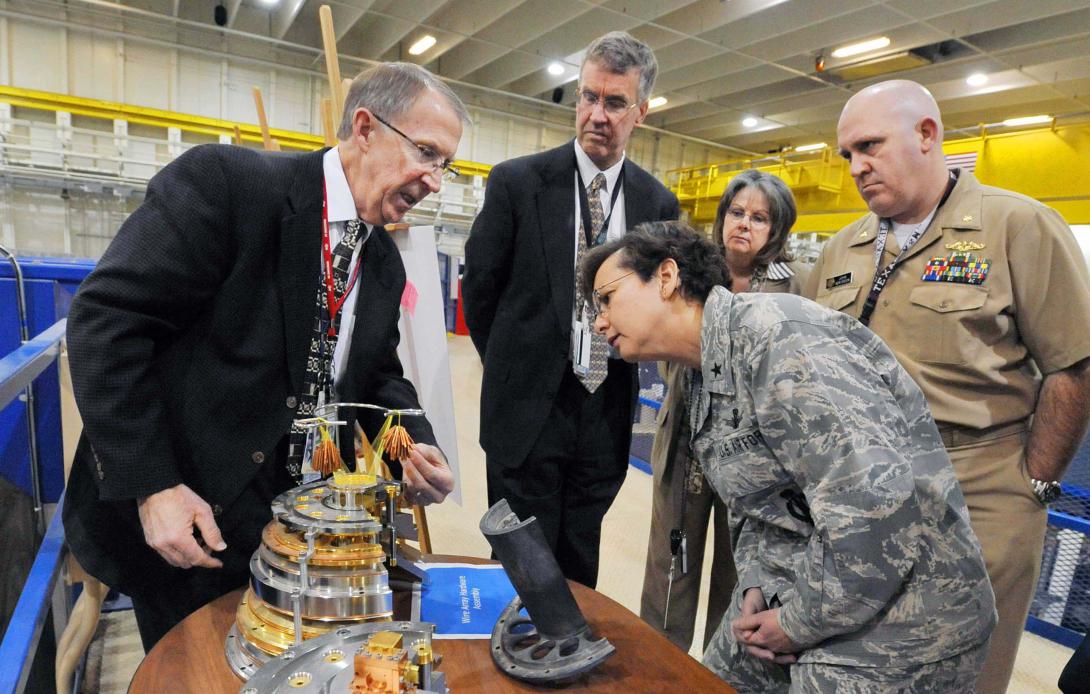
(844, 508)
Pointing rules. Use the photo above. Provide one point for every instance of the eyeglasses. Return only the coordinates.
(757, 220)
(427, 155)
(600, 302)
(614, 106)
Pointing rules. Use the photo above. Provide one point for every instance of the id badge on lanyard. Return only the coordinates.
(581, 338)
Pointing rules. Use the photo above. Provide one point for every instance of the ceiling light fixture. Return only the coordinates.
(977, 79)
(656, 102)
(1027, 120)
(861, 47)
(811, 148)
(749, 121)
(556, 69)
(270, 3)
(425, 42)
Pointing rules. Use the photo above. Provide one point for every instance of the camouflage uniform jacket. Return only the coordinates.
(844, 508)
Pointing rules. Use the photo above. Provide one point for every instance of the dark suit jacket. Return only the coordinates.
(519, 288)
(189, 340)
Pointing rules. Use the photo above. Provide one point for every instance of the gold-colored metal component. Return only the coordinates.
(384, 643)
(424, 654)
(382, 665)
(334, 656)
(274, 632)
(353, 479)
(361, 550)
(299, 680)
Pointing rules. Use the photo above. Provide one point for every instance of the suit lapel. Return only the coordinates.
(556, 221)
(375, 281)
(300, 264)
(639, 203)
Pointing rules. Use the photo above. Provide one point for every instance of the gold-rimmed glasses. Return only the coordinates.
(426, 154)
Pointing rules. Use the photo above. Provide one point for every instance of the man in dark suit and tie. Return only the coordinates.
(556, 412)
(248, 288)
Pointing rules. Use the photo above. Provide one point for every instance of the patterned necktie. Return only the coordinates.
(318, 378)
(599, 348)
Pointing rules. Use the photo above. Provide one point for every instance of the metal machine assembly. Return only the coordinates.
(388, 657)
(555, 644)
(322, 564)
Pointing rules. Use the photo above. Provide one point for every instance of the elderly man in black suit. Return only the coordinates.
(247, 288)
(556, 412)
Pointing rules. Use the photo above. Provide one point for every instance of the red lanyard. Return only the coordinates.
(327, 256)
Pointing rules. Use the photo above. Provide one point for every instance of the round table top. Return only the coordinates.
(190, 658)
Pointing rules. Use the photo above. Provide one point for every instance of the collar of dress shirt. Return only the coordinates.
(338, 195)
(588, 170)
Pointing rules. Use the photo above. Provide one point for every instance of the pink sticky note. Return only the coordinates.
(409, 297)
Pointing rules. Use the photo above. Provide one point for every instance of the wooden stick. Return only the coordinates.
(332, 67)
(328, 127)
(238, 135)
(262, 121)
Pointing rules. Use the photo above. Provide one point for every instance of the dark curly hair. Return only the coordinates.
(700, 262)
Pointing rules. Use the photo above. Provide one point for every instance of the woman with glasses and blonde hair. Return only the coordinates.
(752, 222)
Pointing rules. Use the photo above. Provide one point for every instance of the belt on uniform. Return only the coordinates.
(954, 435)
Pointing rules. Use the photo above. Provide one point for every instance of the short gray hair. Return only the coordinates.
(619, 52)
(390, 89)
(781, 210)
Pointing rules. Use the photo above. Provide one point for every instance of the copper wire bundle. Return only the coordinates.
(326, 458)
(397, 442)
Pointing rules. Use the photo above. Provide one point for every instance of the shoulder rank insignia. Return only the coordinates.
(960, 268)
(965, 246)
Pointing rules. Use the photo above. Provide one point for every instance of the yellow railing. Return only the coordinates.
(1051, 164)
(186, 122)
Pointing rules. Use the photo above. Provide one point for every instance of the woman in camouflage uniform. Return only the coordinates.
(752, 224)
(857, 567)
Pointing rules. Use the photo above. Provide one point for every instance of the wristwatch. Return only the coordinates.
(1046, 492)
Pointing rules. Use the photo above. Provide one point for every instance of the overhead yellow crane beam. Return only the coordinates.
(143, 115)
(1051, 164)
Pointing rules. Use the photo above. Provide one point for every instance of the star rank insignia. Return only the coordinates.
(967, 218)
(717, 370)
(965, 246)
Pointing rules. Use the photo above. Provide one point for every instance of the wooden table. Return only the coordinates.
(190, 657)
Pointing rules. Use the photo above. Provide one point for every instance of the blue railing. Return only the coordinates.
(17, 372)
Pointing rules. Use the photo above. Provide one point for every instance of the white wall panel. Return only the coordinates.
(37, 57)
(92, 66)
(293, 103)
(240, 99)
(199, 85)
(148, 76)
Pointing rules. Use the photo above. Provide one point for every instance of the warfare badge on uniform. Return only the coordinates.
(965, 246)
(958, 267)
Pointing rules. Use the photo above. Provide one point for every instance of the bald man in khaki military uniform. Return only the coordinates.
(986, 307)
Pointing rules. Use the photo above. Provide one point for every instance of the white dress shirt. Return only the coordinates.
(341, 207)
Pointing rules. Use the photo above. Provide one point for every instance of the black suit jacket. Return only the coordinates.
(519, 288)
(188, 343)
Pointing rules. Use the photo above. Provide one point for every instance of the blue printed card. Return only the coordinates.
(464, 600)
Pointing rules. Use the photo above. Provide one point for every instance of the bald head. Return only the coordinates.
(891, 132)
(902, 101)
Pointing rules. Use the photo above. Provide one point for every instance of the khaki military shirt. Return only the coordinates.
(843, 506)
(977, 348)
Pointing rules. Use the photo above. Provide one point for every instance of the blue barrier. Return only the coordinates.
(21, 639)
(19, 369)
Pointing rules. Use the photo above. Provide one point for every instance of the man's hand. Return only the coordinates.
(758, 629)
(426, 475)
(168, 518)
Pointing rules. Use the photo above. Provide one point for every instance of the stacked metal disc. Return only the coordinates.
(319, 568)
